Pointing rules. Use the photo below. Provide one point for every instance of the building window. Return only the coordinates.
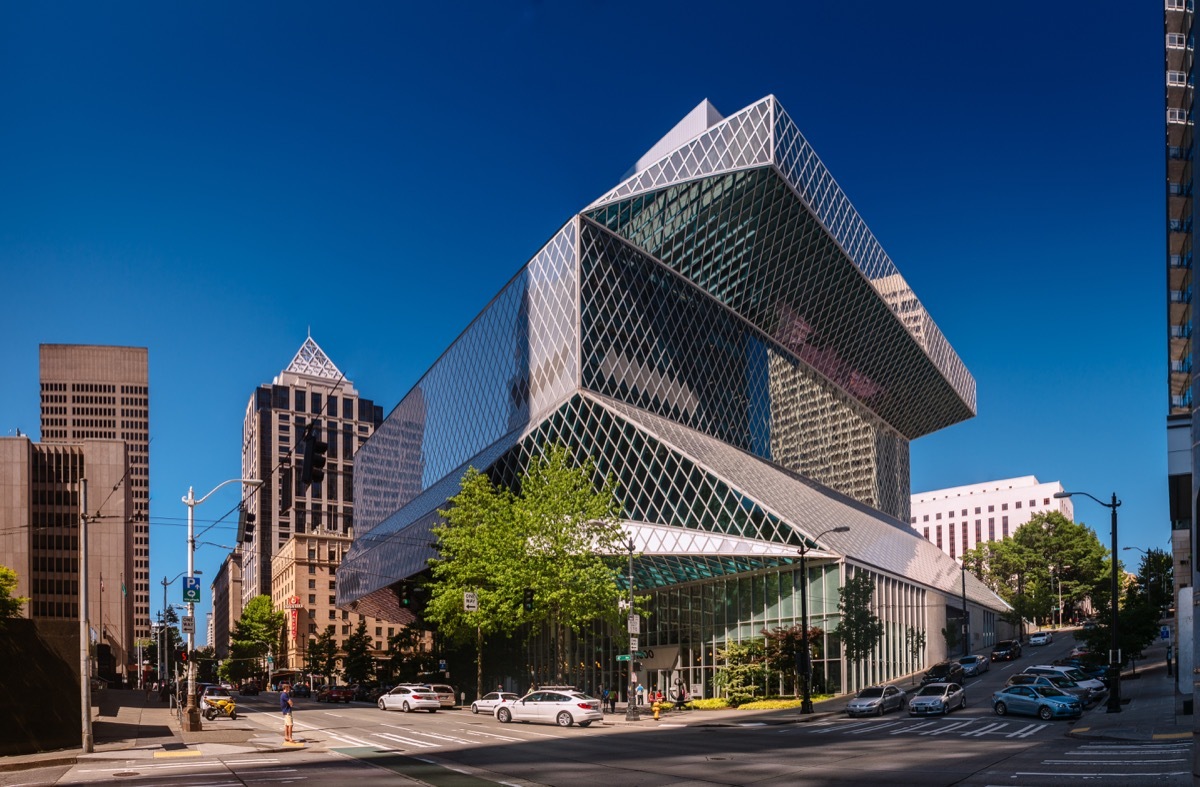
(925, 518)
(1004, 523)
(312, 598)
(333, 614)
(1004, 506)
(978, 531)
(964, 537)
(1177, 115)
(938, 516)
(333, 599)
(312, 584)
(1176, 41)
(1177, 78)
(939, 536)
(926, 534)
(1018, 504)
(978, 510)
(991, 528)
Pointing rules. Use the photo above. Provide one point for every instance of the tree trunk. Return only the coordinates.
(478, 662)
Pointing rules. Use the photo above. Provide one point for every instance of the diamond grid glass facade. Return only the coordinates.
(723, 336)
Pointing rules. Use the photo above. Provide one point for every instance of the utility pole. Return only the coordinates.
(85, 672)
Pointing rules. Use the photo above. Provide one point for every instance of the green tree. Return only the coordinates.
(257, 633)
(860, 629)
(914, 640)
(557, 537)
(206, 664)
(1026, 569)
(323, 654)
(743, 670)
(358, 665)
(10, 605)
(1156, 579)
(405, 656)
(784, 646)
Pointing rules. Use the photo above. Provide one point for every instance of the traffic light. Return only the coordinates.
(312, 464)
(528, 601)
(245, 531)
(404, 596)
(181, 656)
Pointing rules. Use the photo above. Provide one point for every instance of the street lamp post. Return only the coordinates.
(193, 712)
(162, 650)
(966, 625)
(1114, 654)
(631, 709)
(806, 705)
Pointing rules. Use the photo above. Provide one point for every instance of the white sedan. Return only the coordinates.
(563, 708)
(1041, 638)
(410, 698)
(488, 702)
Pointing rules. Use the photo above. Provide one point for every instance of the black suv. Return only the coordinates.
(1006, 650)
(945, 672)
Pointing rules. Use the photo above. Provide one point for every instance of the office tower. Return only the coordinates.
(93, 392)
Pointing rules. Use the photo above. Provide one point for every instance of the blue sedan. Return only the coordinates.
(1045, 702)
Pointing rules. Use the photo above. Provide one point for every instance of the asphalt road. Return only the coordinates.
(457, 749)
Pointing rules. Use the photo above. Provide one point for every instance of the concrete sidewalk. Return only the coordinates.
(1151, 710)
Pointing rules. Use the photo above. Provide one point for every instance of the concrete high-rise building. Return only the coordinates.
(1182, 449)
(962, 517)
(310, 389)
(92, 392)
(40, 503)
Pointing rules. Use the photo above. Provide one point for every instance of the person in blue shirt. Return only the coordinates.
(285, 707)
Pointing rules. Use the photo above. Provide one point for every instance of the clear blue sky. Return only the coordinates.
(211, 180)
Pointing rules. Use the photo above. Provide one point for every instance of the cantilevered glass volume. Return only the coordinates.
(721, 333)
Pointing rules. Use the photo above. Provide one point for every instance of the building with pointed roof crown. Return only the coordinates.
(311, 389)
(723, 335)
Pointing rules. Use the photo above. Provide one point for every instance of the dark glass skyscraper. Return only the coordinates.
(723, 335)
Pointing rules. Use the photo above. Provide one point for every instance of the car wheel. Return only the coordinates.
(474, 708)
(1001, 709)
(1045, 714)
(584, 723)
(433, 710)
(504, 715)
(880, 712)
(381, 705)
(564, 719)
(404, 707)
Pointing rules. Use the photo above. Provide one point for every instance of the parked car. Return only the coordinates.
(563, 708)
(1006, 650)
(1072, 673)
(1090, 665)
(365, 692)
(335, 694)
(876, 701)
(410, 698)
(944, 672)
(445, 694)
(974, 665)
(937, 698)
(249, 688)
(488, 702)
(1041, 638)
(301, 690)
(1084, 694)
(1045, 702)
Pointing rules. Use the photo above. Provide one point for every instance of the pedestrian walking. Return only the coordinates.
(603, 698)
(612, 701)
(641, 694)
(285, 707)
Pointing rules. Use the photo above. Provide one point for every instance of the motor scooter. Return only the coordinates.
(223, 706)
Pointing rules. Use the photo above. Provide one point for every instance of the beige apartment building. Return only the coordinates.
(304, 586)
(40, 504)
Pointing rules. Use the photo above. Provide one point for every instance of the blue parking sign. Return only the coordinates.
(191, 590)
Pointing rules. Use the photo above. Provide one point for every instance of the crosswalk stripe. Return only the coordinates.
(409, 741)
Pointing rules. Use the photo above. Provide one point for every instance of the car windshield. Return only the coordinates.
(932, 691)
(871, 693)
(1050, 691)
(968, 660)
(1064, 683)
(1075, 674)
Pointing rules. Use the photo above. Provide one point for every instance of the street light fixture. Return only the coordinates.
(806, 705)
(1114, 654)
(193, 712)
(631, 709)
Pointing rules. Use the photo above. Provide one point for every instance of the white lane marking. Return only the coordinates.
(1109, 762)
(914, 727)
(1099, 774)
(328, 713)
(492, 735)
(843, 727)
(874, 727)
(1028, 730)
(994, 727)
(949, 728)
(409, 741)
(347, 739)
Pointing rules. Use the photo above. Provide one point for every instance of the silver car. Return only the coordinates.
(974, 665)
(876, 701)
(563, 708)
(937, 699)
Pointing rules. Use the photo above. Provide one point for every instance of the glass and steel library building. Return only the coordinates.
(723, 335)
